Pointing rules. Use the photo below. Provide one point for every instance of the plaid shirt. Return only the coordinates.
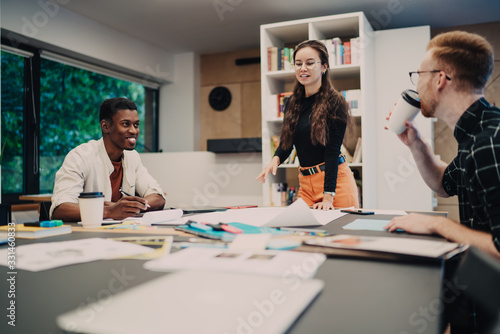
(474, 174)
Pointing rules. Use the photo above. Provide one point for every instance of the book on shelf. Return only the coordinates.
(355, 52)
(345, 152)
(282, 102)
(275, 142)
(337, 45)
(356, 157)
(272, 61)
(292, 158)
(31, 232)
(347, 53)
(353, 97)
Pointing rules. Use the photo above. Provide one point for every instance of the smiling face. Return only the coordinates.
(121, 134)
(310, 78)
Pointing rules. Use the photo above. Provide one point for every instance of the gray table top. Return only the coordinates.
(360, 295)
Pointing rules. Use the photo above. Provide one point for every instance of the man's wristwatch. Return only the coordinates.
(329, 193)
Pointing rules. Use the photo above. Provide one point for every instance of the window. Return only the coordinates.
(69, 97)
(12, 122)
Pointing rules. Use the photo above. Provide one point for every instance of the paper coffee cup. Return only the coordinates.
(91, 209)
(406, 109)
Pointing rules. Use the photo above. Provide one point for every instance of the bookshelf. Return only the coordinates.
(358, 75)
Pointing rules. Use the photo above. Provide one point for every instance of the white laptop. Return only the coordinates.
(199, 302)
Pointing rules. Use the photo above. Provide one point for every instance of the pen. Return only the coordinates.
(215, 227)
(358, 211)
(127, 194)
(198, 226)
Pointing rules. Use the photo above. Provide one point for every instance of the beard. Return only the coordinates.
(428, 104)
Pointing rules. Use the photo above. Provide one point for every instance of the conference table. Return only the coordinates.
(361, 295)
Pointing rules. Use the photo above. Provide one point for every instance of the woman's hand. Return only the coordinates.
(271, 167)
(326, 204)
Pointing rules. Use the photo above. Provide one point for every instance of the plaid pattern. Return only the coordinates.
(474, 174)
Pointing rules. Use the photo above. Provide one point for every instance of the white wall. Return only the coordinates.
(400, 185)
(180, 128)
(50, 23)
(206, 178)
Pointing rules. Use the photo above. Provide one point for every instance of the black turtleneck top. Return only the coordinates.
(310, 155)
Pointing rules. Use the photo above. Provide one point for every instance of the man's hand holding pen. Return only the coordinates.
(127, 206)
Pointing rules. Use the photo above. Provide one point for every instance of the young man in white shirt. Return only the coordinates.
(109, 165)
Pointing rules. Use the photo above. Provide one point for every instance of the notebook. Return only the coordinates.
(30, 232)
(198, 302)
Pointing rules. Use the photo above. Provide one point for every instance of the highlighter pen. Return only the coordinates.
(230, 228)
(127, 194)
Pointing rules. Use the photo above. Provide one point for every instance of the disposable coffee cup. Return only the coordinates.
(406, 109)
(91, 209)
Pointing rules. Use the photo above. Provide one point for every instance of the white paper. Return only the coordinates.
(164, 217)
(250, 242)
(250, 216)
(324, 217)
(267, 262)
(43, 256)
(297, 214)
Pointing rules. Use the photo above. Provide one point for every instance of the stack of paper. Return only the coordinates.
(297, 214)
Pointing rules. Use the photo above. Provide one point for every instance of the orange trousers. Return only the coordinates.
(346, 193)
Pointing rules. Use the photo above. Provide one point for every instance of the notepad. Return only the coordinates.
(30, 232)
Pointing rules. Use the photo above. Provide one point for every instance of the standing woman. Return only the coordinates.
(315, 122)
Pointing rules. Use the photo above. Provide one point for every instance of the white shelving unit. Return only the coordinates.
(359, 76)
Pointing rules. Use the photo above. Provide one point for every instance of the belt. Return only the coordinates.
(318, 169)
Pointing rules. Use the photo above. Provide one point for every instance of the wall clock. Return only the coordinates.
(219, 98)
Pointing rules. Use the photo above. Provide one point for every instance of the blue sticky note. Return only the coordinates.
(367, 224)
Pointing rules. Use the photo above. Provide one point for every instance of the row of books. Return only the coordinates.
(352, 97)
(340, 53)
(282, 99)
(343, 52)
(279, 59)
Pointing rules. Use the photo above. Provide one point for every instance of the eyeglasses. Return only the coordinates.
(414, 75)
(310, 65)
